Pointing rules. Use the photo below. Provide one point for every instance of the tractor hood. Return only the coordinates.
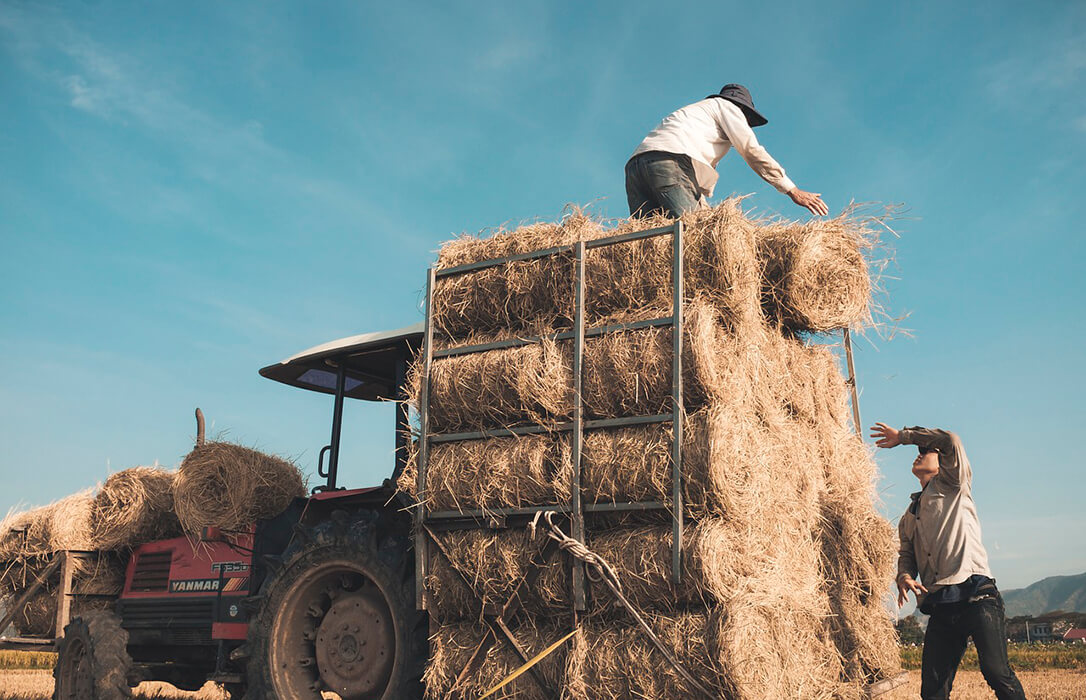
(372, 363)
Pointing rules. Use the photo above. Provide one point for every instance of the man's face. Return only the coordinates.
(926, 466)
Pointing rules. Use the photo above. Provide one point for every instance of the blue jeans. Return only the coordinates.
(949, 629)
(661, 182)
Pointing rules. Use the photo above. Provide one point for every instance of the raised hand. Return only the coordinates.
(885, 436)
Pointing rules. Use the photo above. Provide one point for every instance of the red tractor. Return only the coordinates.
(319, 600)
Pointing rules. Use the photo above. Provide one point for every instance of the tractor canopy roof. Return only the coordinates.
(373, 364)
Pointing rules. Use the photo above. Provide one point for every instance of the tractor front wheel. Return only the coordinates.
(92, 659)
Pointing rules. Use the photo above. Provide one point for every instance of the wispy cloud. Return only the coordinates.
(1048, 77)
(231, 154)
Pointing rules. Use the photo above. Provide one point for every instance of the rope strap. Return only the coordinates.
(603, 572)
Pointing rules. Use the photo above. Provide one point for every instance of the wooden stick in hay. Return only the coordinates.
(229, 486)
(452, 645)
(613, 660)
(134, 506)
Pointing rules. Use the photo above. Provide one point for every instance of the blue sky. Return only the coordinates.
(190, 191)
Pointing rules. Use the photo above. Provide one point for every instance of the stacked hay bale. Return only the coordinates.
(229, 486)
(100, 523)
(779, 597)
(218, 484)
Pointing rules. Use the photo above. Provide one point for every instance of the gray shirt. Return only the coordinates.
(939, 532)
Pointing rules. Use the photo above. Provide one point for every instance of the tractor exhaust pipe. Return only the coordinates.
(199, 428)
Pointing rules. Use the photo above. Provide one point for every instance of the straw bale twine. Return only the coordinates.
(134, 506)
(229, 486)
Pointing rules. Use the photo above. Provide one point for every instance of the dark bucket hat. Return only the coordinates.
(741, 96)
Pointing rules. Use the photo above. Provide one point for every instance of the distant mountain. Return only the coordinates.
(1067, 593)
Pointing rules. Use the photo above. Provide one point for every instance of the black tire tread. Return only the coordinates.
(107, 644)
(354, 534)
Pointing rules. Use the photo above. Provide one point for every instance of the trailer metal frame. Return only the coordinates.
(427, 523)
(575, 509)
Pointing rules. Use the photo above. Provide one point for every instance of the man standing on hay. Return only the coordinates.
(674, 168)
(940, 540)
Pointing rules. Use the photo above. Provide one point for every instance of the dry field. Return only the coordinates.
(1061, 684)
(38, 685)
(1039, 685)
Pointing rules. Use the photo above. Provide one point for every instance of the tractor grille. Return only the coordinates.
(167, 614)
(152, 572)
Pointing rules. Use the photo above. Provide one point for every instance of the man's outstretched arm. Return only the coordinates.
(946, 443)
(738, 131)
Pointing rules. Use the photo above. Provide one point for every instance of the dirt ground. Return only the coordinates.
(970, 685)
(38, 685)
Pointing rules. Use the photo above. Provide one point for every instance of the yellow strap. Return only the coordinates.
(531, 662)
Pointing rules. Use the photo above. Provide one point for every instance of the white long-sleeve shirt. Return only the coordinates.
(705, 131)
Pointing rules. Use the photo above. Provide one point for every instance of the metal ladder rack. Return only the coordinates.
(574, 509)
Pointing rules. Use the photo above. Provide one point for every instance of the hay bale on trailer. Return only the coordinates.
(64, 524)
(96, 581)
(134, 506)
(765, 438)
(807, 277)
(13, 531)
(815, 276)
(723, 560)
(734, 447)
(38, 617)
(229, 486)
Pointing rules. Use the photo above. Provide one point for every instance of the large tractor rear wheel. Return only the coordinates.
(92, 659)
(338, 615)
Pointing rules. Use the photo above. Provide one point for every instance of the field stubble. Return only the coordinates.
(1060, 684)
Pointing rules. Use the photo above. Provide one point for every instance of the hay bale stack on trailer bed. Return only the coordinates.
(218, 484)
(785, 559)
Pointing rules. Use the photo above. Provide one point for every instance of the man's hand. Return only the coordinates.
(885, 435)
(905, 584)
(812, 201)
